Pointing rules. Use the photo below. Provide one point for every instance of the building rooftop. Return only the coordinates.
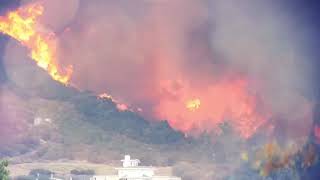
(131, 170)
(128, 162)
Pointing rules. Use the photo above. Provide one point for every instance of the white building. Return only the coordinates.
(131, 170)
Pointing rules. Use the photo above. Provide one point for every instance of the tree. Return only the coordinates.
(4, 173)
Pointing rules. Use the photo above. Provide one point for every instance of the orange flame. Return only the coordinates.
(22, 25)
(120, 106)
(224, 101)
(193, 105)
(105, 96)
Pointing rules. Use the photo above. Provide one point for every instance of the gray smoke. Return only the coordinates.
(128, 48)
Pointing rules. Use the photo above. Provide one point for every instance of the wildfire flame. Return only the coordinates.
(224, 101)
(193, 104)
(212, 105)
(120, 106)
(23, 26)
(105, 96)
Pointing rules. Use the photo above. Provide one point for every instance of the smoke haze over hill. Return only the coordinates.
(185, 66)
(230, 55)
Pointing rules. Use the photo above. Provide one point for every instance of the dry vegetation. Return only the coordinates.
(64, 167)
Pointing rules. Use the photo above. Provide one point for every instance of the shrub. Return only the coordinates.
(82, 172)
(25, 178)
(4, 173)
(44, 172)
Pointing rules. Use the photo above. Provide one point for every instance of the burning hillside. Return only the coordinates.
(198, 110)
(226, 100)
(162, 73)
(22, 25)
(197, 73)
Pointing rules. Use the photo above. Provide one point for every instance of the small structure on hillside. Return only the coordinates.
(51, 178)
(131, 170)
(40, 121)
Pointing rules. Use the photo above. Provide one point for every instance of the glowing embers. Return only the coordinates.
(193, 104)
(120, 106)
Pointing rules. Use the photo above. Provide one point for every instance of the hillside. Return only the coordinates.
(80, 117)
(46, 121)
(51, 122)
